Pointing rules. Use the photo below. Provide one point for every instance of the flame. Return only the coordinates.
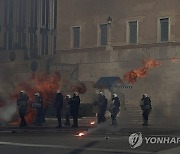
(80, 134)
(133, 75)
(151, 63)
(45, 84)
(92, 123)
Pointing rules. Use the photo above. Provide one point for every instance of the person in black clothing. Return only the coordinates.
(146, 107)
(74, 108)
(58, 104)
(22, 101)
(114, 109)
(67, 114)
(38, 105)
(101, 103)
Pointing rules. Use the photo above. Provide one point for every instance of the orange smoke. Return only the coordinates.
(133, 75)
(79, 87)
(46, 85)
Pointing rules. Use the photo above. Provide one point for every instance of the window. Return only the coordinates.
(21, 25)
(8, 23)
(103, 34)
(45, 12)
(44, 44)
(133, 32)
(33, 17)
(76, 37)
(164, 29)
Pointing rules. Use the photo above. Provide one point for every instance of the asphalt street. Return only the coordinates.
(97, 139)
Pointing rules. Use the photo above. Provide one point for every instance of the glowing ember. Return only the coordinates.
(80, 134)
(133, 75)
(92, 123)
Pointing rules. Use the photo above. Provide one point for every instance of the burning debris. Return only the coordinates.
(80, 134)
(92, 123)
(133, 75)
(46, 85)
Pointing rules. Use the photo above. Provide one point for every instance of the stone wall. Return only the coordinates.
(90, 14)
(161, 83)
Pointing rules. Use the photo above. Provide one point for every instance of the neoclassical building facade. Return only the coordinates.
(86, 40)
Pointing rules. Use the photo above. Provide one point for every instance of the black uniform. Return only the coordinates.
(38, 105)
(146, 108)
(22, 101)
(115, 109)
(67, 114)
(102, 107)
(74, 109)
(58, 104)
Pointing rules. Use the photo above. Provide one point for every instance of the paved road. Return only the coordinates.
(100, 139)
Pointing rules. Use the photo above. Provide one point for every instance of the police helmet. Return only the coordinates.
(76, 93)
(145, 95)
(101, 93)
(68, 96)
(58, 91)
(37, 94)
(22, 91)
(115, 95)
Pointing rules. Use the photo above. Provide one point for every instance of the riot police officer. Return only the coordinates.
(38, 105)
(146, 107)
(68, 101)
(74, 108)
(58, 104)
(22, 101)
(114, 109)
(101, 103)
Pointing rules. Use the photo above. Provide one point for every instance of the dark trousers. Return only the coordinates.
(113, 118)
(23, 121)
(39, 117)
(114, 113)
(58, 112)
(101, 117)
(67, 117)
(145, 116)
(59, 120)
(75, 120)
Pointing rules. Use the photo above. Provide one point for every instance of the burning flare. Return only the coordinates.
(133, 75)
(80, 134)
(92, 123)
